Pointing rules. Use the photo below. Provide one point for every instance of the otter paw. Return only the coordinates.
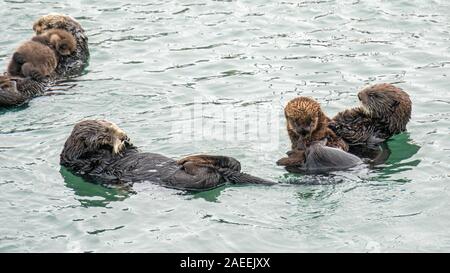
(37, 76)
(231, 163)
(285, 161)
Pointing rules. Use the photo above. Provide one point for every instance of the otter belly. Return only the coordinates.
(156, 168)
(320, 158)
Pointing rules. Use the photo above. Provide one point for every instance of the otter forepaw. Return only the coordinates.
(285, 161)
(37, 76)
(295, 158)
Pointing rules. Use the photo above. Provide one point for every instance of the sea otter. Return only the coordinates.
(74, 63)
(102, 152)
(59, 40)
(33, 59)
(314, 144)
(20, 90)
(385, 110)
(39, 57)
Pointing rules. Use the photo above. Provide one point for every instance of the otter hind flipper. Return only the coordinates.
(321, 158)
(217, 168)
(213, 161)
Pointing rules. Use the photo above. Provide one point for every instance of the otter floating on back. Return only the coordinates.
(101, 152)
(385, 110)
(16, 90)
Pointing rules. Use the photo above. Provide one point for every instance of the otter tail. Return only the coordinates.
(243, 178)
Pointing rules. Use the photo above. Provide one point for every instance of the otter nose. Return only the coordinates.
(303, 130)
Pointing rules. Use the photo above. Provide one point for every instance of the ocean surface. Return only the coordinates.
(187, 77)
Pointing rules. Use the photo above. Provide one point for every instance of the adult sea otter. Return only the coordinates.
(100, 151)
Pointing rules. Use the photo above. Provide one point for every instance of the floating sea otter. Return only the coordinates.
(315, 147)
(101, 152)
(16, 89)
(39, 57)
(385, 110)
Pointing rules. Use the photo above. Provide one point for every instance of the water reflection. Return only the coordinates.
(210, 196)
(90, 194)
(402, 150)
(5, 109)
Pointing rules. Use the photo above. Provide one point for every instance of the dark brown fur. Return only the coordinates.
(18, 90)
(102, 152)
(385, 110)
(33, 59)
(59, 40)
(306, 123)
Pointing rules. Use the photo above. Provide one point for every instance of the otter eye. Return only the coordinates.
(63, 47)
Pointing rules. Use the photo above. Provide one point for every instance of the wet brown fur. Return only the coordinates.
(59, 40)
(54, 21)
(100, 151)
(306, 123)
(33, 59)
(385, 110)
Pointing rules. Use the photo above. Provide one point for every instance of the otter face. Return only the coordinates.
(388, 103)
(303, 115)
(97, 134)
(64, 48)
(6, 84)
(63, 42)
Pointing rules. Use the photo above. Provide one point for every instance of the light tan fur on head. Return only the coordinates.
(118, 136)
(53, 21)
(388, 103)
(303, 115)
(306, 123)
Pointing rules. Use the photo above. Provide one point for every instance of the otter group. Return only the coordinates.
(102, 152)
(58, 49)
(321, 144)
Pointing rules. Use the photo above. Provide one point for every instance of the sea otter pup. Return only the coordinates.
(307, 127)
(74, 63)
(33, 59)
(19, 90)
(385, 110)
(102, 152)
(59, 40)
(39, 57)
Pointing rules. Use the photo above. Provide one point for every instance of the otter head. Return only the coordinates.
(7, 85)
(90, 136)
(303, 116)
(387, 103)
(55, 21)
(62, 41)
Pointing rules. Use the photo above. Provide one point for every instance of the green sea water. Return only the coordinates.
(186, 77)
